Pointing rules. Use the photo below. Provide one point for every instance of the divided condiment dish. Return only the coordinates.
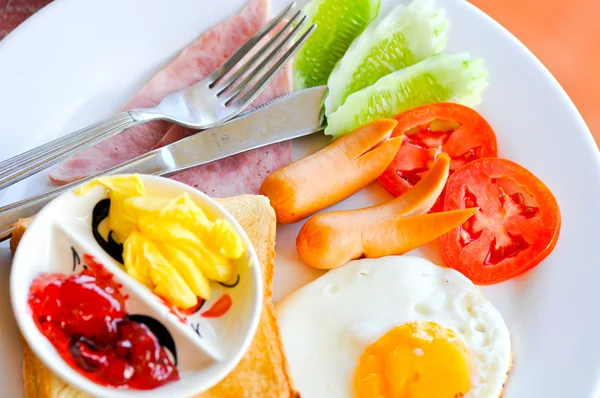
(205, 344)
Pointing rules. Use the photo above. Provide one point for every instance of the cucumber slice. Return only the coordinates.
(338, 23)
(405, 36)
(441, 78)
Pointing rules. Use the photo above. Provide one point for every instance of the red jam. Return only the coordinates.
(84, 317)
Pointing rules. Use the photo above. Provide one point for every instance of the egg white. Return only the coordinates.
(327, 324)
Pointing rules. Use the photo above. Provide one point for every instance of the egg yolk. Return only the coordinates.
(414, 360)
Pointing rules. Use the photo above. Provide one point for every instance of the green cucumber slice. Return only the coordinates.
(405, 36)
(338, 23)
(441, 78)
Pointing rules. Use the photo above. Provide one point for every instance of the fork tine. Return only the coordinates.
(221, 71)
(228, 81)
(253, 92)
(235, 92)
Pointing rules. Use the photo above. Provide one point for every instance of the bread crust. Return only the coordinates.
(19, 229)
(262, 372)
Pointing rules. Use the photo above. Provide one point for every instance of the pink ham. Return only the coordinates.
(204, 55)
(239, 174)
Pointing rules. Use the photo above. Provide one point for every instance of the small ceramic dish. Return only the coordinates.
(205, 345)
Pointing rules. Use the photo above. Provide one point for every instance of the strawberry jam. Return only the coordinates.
(84, 317)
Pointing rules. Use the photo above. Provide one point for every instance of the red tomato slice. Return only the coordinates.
(446, 127)
(516, 227)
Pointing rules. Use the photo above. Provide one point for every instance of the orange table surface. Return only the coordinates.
(565, 36)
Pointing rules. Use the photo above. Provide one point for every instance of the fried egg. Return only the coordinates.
(396, 326)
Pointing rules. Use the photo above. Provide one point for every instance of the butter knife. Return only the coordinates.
(288, 117)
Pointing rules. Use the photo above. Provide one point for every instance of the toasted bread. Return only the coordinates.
(18, 231)
(263, 372)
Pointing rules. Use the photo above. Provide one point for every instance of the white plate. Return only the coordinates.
(75, 62)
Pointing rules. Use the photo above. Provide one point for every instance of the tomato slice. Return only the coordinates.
(517, 224)
(428, 130)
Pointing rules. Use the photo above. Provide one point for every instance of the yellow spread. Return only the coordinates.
(169, 244)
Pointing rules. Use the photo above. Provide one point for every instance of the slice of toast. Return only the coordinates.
(18, 231)
(263, 372)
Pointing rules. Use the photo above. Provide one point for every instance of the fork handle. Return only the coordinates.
(31, 162)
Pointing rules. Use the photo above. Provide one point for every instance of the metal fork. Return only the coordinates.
(212, 101)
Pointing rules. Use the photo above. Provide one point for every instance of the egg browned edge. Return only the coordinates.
(512, 362)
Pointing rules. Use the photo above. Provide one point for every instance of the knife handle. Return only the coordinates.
(158, 161)
(10, 214)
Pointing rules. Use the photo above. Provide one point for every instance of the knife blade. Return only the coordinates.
(292, 116)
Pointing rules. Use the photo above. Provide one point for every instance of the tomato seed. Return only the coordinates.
(497, 254)
(529, 211)
(517, 198)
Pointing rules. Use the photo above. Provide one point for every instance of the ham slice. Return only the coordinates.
(204, 55)
(239, 174)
